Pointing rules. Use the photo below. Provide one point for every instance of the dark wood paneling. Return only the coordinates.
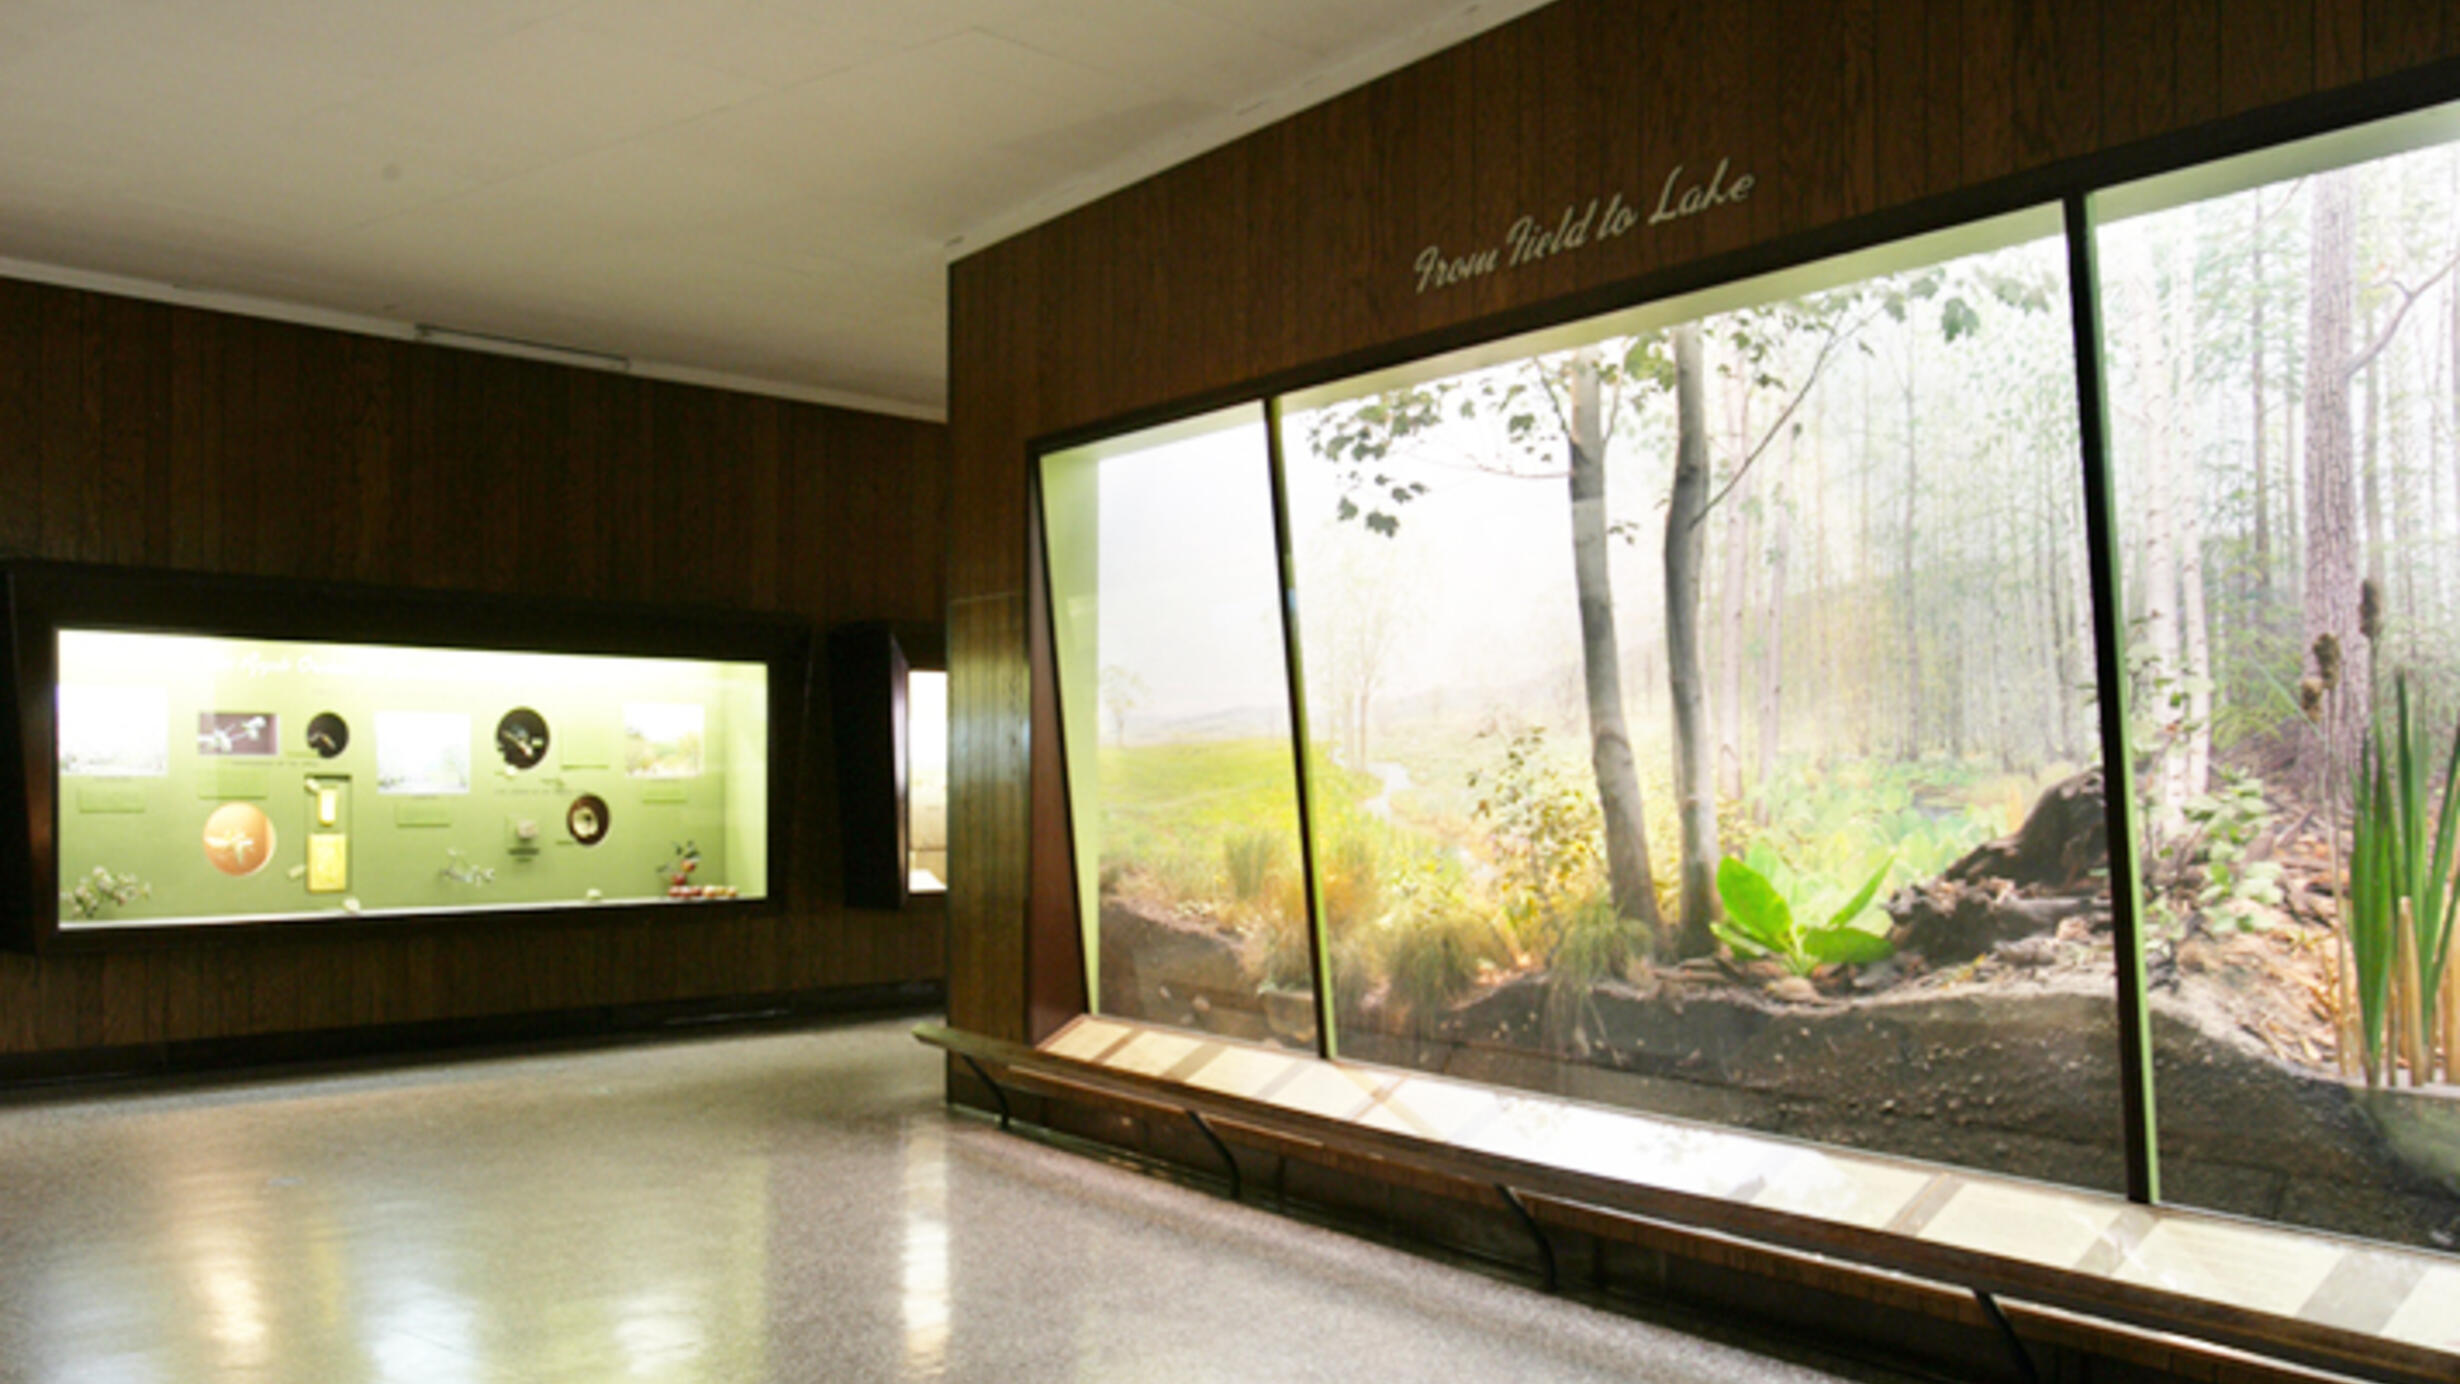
(2267, 51)
(2393, 33)
(144, 434)
(2139, 63)
(2058, 80)
(2340, 44)
(1900, 150)
(987, 819)
(1986, 110)
(1289, 252)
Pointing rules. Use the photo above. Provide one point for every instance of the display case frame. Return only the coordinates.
(43, 598)
(871, 664)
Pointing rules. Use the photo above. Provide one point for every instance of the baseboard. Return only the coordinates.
(445, 1038)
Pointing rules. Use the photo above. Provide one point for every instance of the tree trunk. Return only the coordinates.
(1686, 531)
(2255, 384)
(2443, 481)
(1911, 652)
(2370, 468)
(1771, 689)
(2159, 588)
(1618, 781)
(2403, 557)
(1740, 545)
(2451, 433)
(1866, 594)
(2187, 501)
(2330, 604)
(2058, 716)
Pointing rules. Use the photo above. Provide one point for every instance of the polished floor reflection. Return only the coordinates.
(776, 1207)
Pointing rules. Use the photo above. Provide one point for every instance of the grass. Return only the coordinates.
(1420, 902)
(1205, 820)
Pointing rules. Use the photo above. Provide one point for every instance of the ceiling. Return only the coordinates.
(757, 193)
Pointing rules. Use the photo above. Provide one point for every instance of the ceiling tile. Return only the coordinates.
(546, 92)
(777, 45)
(1166, 47)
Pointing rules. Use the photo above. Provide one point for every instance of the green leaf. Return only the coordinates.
(1862, 897)
(1754, 905)
(1848, 946)
(1740, 942)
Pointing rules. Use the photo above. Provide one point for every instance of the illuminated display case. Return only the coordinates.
(205, 754)
(1993, 697)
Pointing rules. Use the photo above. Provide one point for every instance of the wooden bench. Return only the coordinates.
(2359, 1308)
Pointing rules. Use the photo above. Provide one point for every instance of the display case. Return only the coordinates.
(211, 754)
(889, 693)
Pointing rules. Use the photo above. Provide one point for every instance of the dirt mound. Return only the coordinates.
(2013, 1075)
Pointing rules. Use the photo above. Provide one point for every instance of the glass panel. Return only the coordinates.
(2282, 339)
(1699, 714)
(1175, 705)
(222, 780)
(926, 781)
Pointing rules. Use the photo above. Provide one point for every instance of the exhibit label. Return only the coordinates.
(1528, 240)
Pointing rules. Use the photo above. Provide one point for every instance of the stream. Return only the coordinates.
(1395, 779)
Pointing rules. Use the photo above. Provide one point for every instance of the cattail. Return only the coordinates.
(2327, 660)
(2370, 609)
(2310, 699)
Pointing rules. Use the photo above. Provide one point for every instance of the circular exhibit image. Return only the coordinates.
(587, 819)
(328, 734)
(521, 737)
(239, 838)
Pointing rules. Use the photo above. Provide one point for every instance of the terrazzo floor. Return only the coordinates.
(782, 1206)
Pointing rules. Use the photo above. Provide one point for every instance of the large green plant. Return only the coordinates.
(1759, 922)
(2404, 829)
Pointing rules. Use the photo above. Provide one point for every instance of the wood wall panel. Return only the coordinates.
(2340, 44)
(2139, 63)
(1289, 252)
(2267, 51)
(2057, 69)
(987, 826)
(139, 433)
(2393, 32)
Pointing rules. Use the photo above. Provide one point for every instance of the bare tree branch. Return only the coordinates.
(2408, 299)
(1837, 333)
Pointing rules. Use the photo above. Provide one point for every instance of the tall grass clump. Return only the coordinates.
(1249, 857)
(2398, 915)
(1432, 959)
(1595, 944)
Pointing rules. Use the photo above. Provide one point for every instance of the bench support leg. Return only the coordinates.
(1218, 1147)
(996, 1093)
(2015, 1343)
(1545, 1247)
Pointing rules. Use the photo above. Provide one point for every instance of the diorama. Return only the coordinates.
(179, 778)
(1696, 709)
